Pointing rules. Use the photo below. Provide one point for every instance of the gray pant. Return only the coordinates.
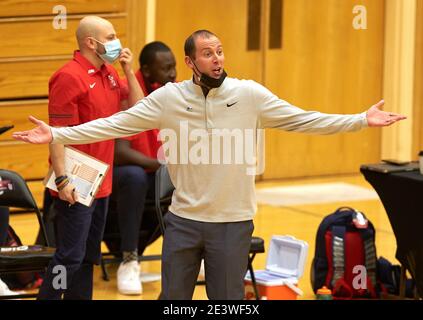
(224, 247)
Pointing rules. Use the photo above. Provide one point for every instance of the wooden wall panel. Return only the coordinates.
(136, 26)
(325, 65)
(16, 113)
(30, 161)
(17, 8)
(44, 40)
(28, 79)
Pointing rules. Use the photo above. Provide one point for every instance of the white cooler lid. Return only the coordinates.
(287, 256)
(270, 279)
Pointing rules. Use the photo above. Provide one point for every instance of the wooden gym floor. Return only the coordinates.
(300, 221)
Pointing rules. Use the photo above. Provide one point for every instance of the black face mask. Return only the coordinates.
(209, 81)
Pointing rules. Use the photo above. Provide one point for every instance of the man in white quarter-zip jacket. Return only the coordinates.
(214, 201)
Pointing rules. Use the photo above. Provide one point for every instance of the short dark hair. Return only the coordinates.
(189, 46)
(148, 53)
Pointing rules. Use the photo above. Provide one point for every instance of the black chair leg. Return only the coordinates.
(403, 279)
(253, 277)
(104, 270)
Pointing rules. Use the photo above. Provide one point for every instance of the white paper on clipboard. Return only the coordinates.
(85, 172)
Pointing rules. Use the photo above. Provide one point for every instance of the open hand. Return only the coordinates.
(39, 135)
(379, 118)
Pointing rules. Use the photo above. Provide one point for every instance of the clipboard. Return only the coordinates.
(85, 172)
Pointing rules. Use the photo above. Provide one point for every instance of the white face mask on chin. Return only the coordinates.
(209, 81)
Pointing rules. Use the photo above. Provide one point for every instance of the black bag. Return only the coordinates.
(389, 275)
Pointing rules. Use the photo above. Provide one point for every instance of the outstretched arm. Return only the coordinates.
(276, 113)
(145, 115)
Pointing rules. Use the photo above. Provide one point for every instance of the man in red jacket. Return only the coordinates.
(135, 164)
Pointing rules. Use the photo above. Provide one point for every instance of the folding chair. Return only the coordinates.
(164, 191)
(156, 207)
(14, 192)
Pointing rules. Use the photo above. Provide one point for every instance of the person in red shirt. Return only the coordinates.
(133, 174)
(84, 89)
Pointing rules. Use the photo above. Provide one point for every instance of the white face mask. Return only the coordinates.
(112, 48)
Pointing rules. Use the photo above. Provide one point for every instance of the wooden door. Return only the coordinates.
(176, 20)
(325, 64)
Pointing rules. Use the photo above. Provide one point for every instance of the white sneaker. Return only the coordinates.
(5, 291)
(128, 276)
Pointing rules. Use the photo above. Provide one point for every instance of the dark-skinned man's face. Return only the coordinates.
(162, 70)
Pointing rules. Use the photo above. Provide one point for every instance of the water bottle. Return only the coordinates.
(324, 294)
